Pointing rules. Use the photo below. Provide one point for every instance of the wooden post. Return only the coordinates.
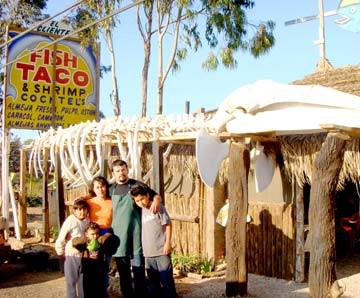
(158, 169)
(105, 154)
(59, 194)
(214, 238)
(187, 107)
(326, 169)
(236, 270)
(45, 202)
(22, 194)
(323, 64)
(300, 241)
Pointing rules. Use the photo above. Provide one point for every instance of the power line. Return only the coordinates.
(37, 24)
(120, 10)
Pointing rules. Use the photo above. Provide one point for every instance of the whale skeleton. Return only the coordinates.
(80, 147)
(264, 108)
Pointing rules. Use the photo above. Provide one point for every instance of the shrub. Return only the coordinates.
(54, 232)
(34, 201)
(192, 263)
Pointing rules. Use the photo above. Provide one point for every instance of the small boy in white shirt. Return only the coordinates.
(73, 226)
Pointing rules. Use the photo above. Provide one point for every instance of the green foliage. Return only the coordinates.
(33, 186)
(54, 232)
(227, 58)
(262, 41)
(206, 266)
(104, 69)
(14, 156)
(226, 21)
(211, 63)
(21, 13)
(34, 201)
(192, 263)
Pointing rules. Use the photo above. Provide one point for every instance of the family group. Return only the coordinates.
(126, 222)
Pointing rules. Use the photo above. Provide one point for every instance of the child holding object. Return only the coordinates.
(95, 251)
(156, 242)
(73, 226)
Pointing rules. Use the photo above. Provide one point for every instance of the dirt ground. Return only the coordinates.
(16, 281)
(19, 280)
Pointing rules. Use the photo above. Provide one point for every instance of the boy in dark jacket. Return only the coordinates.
(94, 250)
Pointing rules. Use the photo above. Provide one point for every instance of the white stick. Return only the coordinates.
(14, 210)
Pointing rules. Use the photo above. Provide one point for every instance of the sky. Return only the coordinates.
(294, 56)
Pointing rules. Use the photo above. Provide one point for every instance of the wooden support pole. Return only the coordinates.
(187, 107)
(22, 194)
(158, 169)
(236, 270)
(300, 241)
(326, 169)
(59, 194)
(45, 202)
(214, 239)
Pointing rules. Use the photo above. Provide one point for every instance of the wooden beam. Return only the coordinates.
(300, 240)
(45, 191)
(59, 194)
(339, 129)
(22, 194)
(184, 218)
(236, 270)
(158, 169)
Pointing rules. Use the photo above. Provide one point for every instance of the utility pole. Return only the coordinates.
(323, 64)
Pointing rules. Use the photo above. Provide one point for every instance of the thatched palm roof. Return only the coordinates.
(296, 161)
(345, 79)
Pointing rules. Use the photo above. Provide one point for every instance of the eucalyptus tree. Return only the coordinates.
(226, 31)
(145, 29)
(91, 11)
(166, 24)
(19, 14)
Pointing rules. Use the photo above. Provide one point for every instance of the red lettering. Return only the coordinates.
(72, 60)
(34, 56)
(25, 70)
(46, 56)
(42, 75)
(81, 78)
(62, 76)
(58, 57)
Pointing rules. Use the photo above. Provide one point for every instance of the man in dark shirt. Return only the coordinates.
(126, 224)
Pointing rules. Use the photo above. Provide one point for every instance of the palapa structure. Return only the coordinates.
(298, 151)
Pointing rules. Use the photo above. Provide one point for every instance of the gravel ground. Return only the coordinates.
(264, 287)
(17, 282)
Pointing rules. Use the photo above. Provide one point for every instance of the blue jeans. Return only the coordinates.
(124, 266)
(160, 272)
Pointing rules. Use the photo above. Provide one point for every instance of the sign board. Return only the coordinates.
(54, 86)
(54, 27)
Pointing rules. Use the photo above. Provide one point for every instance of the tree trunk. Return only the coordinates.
(115, 99)
(236, 269)
(322, 273)
(147, 52)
